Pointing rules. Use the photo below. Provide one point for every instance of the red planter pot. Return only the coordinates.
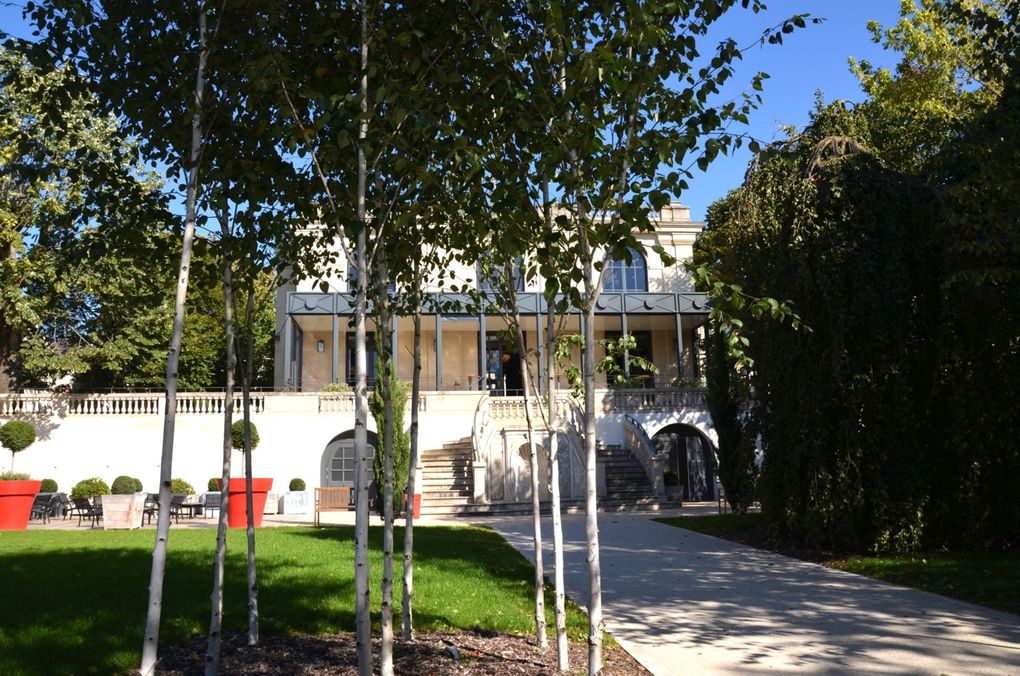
(16, 503)
(237, 517)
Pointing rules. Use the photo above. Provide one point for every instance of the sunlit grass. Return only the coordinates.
(74, 601)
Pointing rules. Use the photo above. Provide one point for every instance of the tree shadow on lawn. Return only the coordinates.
(75, 602)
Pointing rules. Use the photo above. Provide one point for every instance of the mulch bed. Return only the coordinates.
(430, 653)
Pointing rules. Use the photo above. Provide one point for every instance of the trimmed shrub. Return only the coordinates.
(48, 486)
(213, 485)
(297, 484)
(14, 476)
(90, 488)
(16, 436)
(125, 485)
(180, 486)
(237, 435)
(336, 387)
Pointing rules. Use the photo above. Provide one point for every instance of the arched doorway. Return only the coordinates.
(691, 457)
(337, 465)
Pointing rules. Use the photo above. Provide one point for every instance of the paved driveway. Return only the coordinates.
(685, 603)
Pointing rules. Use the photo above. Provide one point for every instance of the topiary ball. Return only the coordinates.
(90, 488)
(213, 485)
(17, 435)
(180, 486)
(237, 434)
(125, 485)
(48, 486)
(297, 484)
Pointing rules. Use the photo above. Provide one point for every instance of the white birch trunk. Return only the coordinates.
(412, 475)
(150, 644)
(536, 507)
(386, 620)
(363, 617)
(215, 643)
(253, 587)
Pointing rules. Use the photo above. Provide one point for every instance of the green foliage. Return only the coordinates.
(296, 484)
(48, 486)
(399, 392)
(728, 401)
(336, 387)
(611, 363)
(8, 475)
(180, 487)
(17, 435)
(213, 484)
(89, 488)
(125, 485)
(237, 435)
(670, 478)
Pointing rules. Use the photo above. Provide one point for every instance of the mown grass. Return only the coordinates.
(74, 601)
(990, 579)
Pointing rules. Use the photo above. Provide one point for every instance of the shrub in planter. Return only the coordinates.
(297, 485)
(237, 434)
(16, 436)
(90, 488)
(48, 486)
(125, 485)
(213, 485)
(336, 387)
(180, 486)
(14, 476)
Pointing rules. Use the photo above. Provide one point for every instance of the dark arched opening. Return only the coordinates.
(691, 457)
(336, 467)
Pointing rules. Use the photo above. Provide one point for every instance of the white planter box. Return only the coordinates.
(272, 504)
(295, 502)
(123, 511)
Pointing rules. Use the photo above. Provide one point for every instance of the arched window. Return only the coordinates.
(627, 276)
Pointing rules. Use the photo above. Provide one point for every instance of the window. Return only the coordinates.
(624, 276)
(490, 279)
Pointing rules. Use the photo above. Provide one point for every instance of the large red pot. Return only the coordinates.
(16, 503)
(237, 516)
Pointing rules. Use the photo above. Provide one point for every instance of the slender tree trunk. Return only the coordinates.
(214, 647)
(536, 506)
(412, 475)
(595, 623)
(562, 647)
(253, 587)
(387, 374)
(150, 644)
(363, 617)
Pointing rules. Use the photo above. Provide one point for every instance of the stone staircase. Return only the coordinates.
(627, 484)
(446, 475)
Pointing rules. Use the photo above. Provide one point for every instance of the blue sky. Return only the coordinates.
(811, 59)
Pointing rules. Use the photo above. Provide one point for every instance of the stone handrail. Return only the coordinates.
(142, 403)
(336, 402)
(665, 399)
(636, 441)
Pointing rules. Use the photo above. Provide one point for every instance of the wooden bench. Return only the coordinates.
(334, 499)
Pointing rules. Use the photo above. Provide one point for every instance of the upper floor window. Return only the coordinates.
(489, 279)
(624, 276)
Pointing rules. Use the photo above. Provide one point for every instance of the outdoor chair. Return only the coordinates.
(64, 504)
(176, 502)
(41, 506)
(151, 506)
(211, 503)
(86, 510)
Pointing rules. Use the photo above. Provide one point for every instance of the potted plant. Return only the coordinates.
(674, 491)
(125, 506)
(237, 516)
(17, 490)
(295, 500)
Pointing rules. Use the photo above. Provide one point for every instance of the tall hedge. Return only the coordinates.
(400, 392)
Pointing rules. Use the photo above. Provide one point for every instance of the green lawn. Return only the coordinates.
(988, 579)
(74, 601)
